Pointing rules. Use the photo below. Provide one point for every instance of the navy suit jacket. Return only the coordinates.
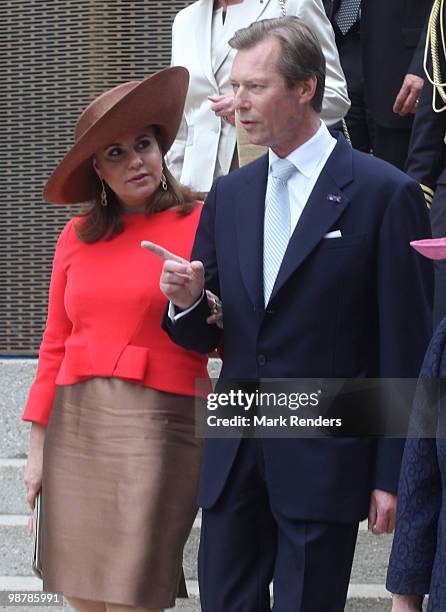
(392, 40)
(356, 306)
(393, 36)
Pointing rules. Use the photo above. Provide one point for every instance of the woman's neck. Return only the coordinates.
(133, 209)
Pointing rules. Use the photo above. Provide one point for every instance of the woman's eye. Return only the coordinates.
(114, 152)
(144, 143)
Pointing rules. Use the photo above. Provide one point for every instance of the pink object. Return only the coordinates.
(432, 248)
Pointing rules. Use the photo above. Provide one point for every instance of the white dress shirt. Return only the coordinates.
(309, 160)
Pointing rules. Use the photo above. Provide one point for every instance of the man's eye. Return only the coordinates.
(234, 88)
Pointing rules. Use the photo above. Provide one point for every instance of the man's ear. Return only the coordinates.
(96, 168)
(307, 89)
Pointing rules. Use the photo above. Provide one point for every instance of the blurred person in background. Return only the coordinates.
(417, 564)
(205, 147)
(426, 161)
(381, 46)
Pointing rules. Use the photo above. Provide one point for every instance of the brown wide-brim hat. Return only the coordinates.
(157, 100)
(432, 248)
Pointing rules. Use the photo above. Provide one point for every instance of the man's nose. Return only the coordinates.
(241, 101)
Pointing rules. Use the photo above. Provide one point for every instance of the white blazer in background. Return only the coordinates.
(205, 143)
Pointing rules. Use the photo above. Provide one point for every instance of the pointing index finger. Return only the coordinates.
(161, 252)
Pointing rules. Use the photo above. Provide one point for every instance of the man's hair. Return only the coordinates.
(301, 55)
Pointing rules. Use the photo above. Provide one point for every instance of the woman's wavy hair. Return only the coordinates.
(97, 222)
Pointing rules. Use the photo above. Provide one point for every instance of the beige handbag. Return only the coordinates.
(246, 151)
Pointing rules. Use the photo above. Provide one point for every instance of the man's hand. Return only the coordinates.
(181, 281)
(382, 512)
(407, 98)
(223, 106)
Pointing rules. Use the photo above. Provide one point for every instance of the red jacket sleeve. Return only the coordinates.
(52, 350)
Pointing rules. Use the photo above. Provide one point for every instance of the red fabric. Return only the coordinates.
(105, 311)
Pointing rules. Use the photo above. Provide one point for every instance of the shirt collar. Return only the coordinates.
(306, 158)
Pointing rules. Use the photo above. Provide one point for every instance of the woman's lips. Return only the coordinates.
(139, 178)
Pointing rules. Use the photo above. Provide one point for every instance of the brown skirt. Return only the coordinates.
(120, 478)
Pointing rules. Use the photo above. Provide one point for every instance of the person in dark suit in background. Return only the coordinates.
(381, 55)
(426, 161)
(308, 248)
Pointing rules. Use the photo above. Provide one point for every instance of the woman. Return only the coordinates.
(112, 404)
(417, 563)
(205, 146)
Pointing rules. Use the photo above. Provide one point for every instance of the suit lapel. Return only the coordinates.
(250, 217)
(203, 24)
(249, 11)
(325, 205)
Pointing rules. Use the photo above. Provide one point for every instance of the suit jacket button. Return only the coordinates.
(261, 360)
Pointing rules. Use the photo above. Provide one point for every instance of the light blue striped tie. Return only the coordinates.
(276, 233)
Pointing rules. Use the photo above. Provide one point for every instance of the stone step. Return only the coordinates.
(366, 593)
(21, 584)
(16, 547)
(193, 605)
(12, 498)
(16, 376)
(370, 564)
(361, 598)
(371, 558)
(368, 604)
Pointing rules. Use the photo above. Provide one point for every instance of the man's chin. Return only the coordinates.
(256, 139)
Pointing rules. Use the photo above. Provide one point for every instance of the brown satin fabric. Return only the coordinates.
(120, 479)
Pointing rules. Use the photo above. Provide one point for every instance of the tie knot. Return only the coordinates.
(282, 169)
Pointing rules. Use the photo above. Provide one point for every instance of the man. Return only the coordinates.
(426, 161)
(332, 301)
(381, 47)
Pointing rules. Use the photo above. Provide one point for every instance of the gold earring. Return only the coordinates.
(163, 182)
(104, 201)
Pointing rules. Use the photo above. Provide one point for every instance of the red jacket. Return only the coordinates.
(105, 310)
